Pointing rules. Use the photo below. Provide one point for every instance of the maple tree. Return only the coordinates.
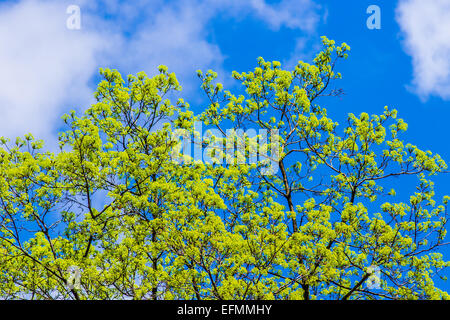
(316, 227)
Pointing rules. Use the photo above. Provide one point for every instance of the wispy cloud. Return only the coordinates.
(294, 14)
(426, 29)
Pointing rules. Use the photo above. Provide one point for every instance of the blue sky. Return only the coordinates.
(48, 69)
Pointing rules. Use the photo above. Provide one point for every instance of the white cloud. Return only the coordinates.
(175, 36)
(426, 28)
(47, 69)
(44, 66)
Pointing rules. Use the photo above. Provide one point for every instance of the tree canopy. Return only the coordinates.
(116, 202)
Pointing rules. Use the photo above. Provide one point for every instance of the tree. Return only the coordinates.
(140, 225)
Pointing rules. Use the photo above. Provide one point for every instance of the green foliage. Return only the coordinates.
(165, 230)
